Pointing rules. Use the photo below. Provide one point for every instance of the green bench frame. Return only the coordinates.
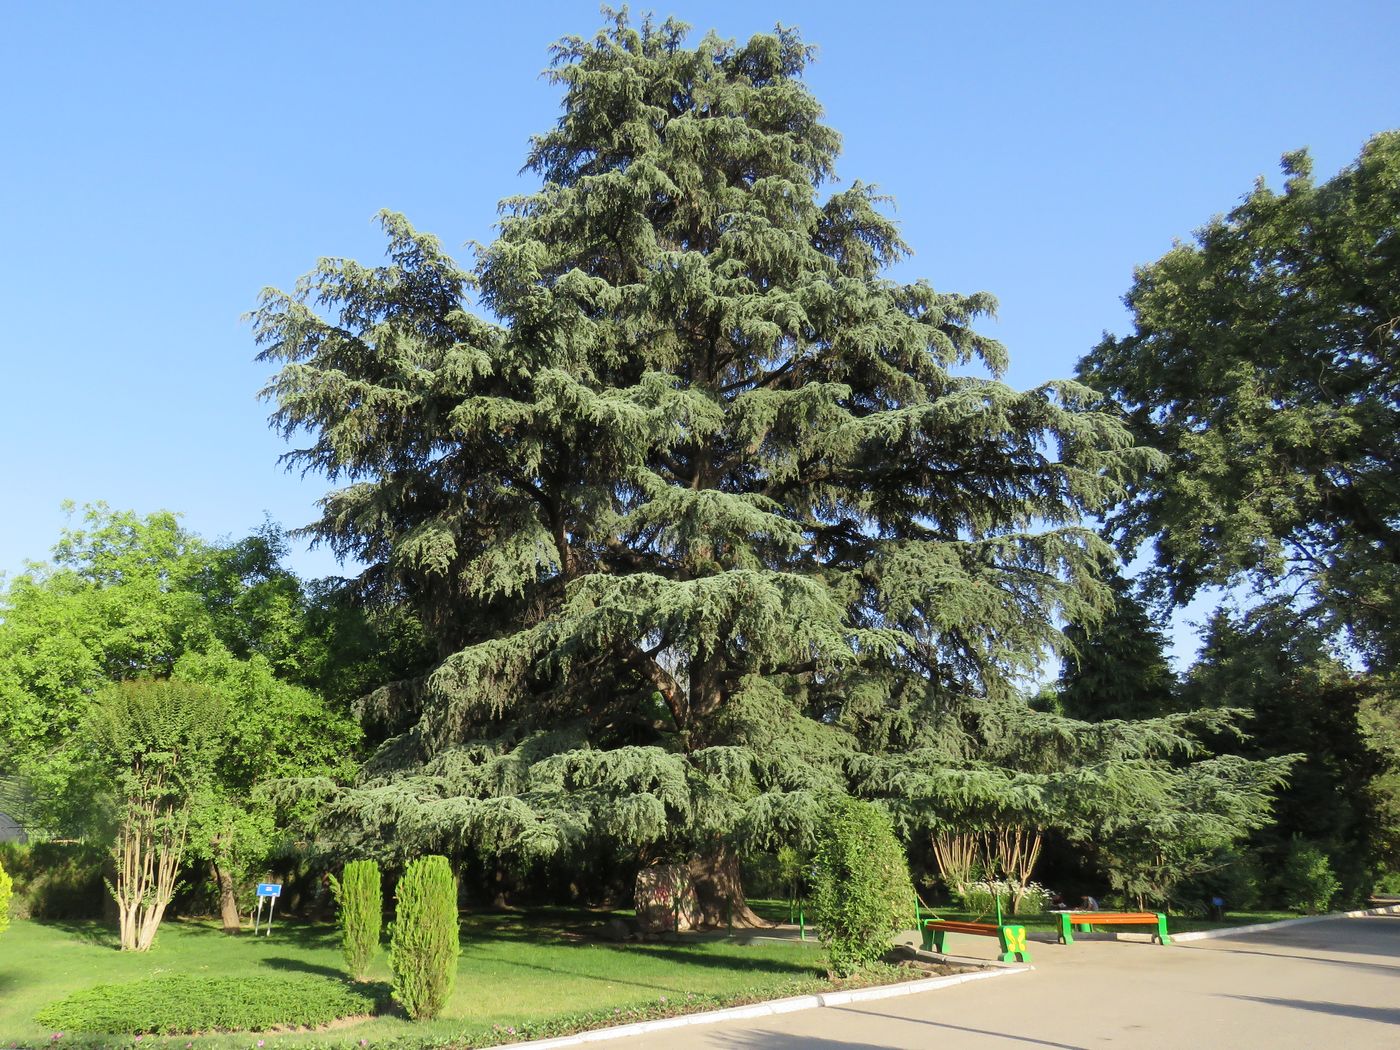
(1067, 921)
(1011, 937)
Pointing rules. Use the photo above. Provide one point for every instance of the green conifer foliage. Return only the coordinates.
(360, 897)
(706, 511)
(1118, 667)
(424, 941)
(862, 894)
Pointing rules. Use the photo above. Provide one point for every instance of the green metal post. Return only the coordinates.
(1066, 937)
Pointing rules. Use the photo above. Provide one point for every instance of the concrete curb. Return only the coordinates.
(1260, 927)
(768, 1009)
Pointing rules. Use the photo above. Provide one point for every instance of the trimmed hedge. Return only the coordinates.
(181, 1004)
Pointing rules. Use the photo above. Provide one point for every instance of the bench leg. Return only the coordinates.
(1066, 936)
(928, 939)
(1162, 937)
(938, 936)
(1013, 944)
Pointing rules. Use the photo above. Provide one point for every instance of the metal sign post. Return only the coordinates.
(267, 891)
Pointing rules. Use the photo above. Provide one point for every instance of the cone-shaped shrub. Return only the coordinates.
(361, 905)
(423, 944)
(862, 891)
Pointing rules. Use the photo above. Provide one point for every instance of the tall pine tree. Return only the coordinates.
(702, 512)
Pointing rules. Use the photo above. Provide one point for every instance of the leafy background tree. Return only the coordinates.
(1262, 365)
(131, 598)
(704, 512)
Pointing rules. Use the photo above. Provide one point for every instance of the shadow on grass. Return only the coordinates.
(672, 983)
(689, 957)
(543, 925)
(579, 975)
(296, 933)
(88, 931)
(378, 990)
(278, 962)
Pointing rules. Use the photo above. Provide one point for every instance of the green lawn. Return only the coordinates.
(514, 970)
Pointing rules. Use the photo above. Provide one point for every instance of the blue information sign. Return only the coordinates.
(267, 891)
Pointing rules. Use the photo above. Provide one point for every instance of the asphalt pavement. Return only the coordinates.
(1330, 984)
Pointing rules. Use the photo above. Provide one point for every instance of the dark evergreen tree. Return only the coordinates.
(1116, 667)
(1302, 700)
(702, 520)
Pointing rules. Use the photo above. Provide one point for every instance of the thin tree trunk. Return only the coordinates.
(228, 900)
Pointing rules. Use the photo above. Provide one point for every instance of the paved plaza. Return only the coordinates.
(1330, 984)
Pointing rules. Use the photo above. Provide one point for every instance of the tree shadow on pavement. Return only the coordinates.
(1383, 1014)
(1008, 1036)
(1390, 969)
(783, 1041)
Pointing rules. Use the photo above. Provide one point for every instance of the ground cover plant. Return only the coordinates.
(185, 1003)
(524, 971)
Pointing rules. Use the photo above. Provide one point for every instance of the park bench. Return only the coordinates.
(1012, 938)
(1083, 920)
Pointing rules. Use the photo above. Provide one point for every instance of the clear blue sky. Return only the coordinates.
(160, 163)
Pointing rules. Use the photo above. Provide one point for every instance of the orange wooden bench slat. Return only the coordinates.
(954, 926)
(1111, 918)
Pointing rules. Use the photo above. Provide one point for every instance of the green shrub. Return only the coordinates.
(5, 884)
(980, 897)
(56, 880)
(423, 943)
(1306, 882)
(183, 1003)
(1236, 876)
(361, 902)
(862, 893)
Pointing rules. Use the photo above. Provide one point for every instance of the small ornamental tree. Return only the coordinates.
(155, 742)
(5, 885)
(423, 943)
(863, 893)
(358, 894)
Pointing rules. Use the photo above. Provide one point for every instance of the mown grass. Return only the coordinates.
(515, 971)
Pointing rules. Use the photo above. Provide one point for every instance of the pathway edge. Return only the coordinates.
(1260, 927)
(768, 1009)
